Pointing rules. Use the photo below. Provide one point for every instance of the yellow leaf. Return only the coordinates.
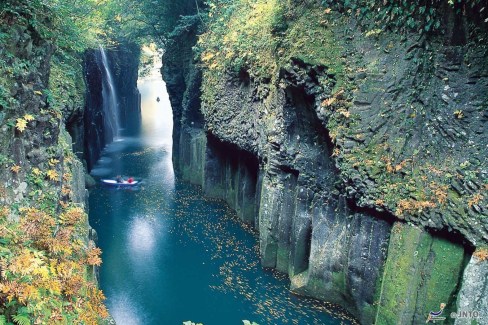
(207, 56)
(36, 171)
(53, 162)
(459, 114)
(28, 117)
(328, 102)
(327, 11)
(15, 168)
(21, 124)
(52, 175)
(37, 92)
(93, 256)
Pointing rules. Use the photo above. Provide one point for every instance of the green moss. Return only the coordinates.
(261, 37)
(407, 250)
(66, 86)
(192, 158)
(339, 283)
(421, 272)
(311, 39)
(445, 265)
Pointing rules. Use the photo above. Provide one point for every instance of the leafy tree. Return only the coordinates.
(143, 20)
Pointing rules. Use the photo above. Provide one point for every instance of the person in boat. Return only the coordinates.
(130, 180)
(119, 179)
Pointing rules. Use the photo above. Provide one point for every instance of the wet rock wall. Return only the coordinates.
(125, 66)
(90, 129)
(267, 152)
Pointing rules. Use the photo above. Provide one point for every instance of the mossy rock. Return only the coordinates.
(421, 272)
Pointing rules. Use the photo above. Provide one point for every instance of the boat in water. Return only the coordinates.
(115, 183)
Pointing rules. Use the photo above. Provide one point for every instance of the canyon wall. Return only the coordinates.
(367, 186)
(44, 227)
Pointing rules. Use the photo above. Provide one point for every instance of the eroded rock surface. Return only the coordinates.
(367, 191)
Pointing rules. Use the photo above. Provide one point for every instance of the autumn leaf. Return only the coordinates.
(53, 162)
(28, 117)
(93, 256)
(67, 177)
(474, 200)
(459, 114)
(73, 216)
(36, 171)
(207, 56)
(345, 113)
(4, 211)
(63, 204)
(379, 202)
(481, 254)
(327, 11)
(37, 92)
(66, 191)
(15, 168)
(328, 102)
(52, 174)
(21, 124)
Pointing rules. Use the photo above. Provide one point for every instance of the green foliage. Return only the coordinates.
(418, 16)
(71, 25)
(21, 319)
(66, 86)
(146, 20)
(45, 265)
(260, 37)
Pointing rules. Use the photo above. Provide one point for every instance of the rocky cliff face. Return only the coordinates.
(30, 126)
(125, 66)
(45, 231)
(91, 126)
(371, 195)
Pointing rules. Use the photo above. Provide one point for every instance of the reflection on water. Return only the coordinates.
(169, 254)
(141, 236)
(124, 307)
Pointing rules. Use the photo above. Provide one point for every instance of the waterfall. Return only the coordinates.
(110, 103)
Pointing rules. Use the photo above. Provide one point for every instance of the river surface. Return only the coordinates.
(169, 254)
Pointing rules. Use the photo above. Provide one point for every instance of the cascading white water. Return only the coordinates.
(110, 103)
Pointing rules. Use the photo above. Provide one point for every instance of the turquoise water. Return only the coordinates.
(169, 254)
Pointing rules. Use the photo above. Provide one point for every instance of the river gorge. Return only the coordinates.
(170, 254)
(296, 162)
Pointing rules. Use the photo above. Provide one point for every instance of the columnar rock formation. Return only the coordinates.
(316, 196)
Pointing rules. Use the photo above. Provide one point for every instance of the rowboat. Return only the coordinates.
(115, 183)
